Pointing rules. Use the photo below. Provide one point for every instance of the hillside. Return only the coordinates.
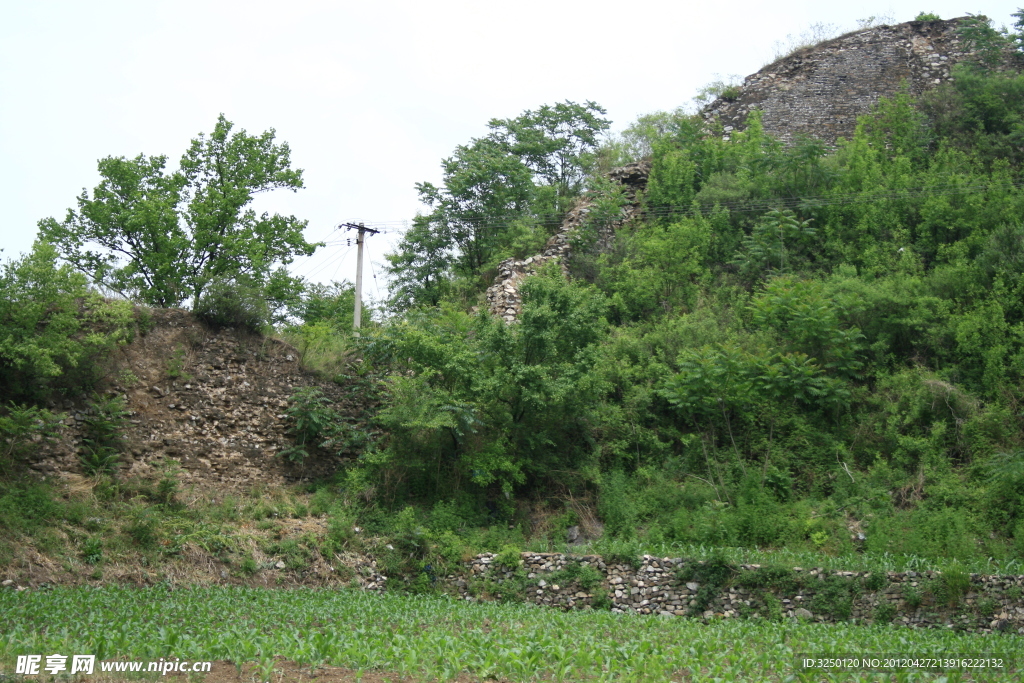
(211, 401)
(699, 334)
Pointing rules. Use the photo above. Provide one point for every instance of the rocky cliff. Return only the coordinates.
(820, 91)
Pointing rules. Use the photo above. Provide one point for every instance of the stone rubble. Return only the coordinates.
(217, 412)
(503, 298)
(820, 91)
(653, 588)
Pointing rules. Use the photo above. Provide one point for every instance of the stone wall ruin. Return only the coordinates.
(819, 91)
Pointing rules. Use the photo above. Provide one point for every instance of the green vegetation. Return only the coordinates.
(795, 355)
(435, 638)
(181, 232)
(794, 348)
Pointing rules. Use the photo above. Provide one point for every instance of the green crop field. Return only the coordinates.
(435, 637)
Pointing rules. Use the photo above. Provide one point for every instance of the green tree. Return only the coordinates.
(556, 142)
(485, 189)
(162, 239)
(420, 264)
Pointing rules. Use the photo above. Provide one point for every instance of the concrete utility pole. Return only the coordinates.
(357, 318)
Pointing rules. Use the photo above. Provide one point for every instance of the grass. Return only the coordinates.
(436, 637)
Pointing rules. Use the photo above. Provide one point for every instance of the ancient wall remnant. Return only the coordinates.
(212, 402)
(820, 91)
(503, 297)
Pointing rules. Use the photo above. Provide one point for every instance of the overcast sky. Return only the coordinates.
(370, 95)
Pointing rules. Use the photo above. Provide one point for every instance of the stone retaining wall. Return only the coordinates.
(993, 603)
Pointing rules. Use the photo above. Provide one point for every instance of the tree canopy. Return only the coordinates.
(500, 194)
(161, 238)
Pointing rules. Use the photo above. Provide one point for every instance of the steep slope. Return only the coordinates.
(820, 90)
(214, 401)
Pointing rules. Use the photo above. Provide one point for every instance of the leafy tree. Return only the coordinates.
(162, 238)
(333, 304)
(420, 265)
(484, 189)
(556, 143)
(780, 242)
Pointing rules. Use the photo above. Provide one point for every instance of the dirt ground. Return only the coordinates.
(284, 672)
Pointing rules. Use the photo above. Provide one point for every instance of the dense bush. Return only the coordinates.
(238, 303)
(55, 332)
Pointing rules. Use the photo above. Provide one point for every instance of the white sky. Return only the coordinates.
(369, 95)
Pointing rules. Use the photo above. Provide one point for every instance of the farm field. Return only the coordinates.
(273, 634)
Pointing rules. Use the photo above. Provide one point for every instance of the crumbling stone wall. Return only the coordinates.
(821, 90)
(212, 402)
(503, 298)
(652, 588)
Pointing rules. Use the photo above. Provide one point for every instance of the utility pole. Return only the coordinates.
(357, 318)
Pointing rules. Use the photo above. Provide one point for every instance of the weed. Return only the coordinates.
(987, 607)
(1014, 592)
(128, 379)
(913, 596)
(772, 607)
(621, 552)
(143, 531)
(885, 613)
(249, 566)
(92, 551)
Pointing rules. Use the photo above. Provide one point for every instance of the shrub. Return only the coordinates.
(913, 596)
(876, 581)
(510, 557)
(103, 434)
(54, 332)
(586, 577)
(316, 424)
(712, 575)
(885, 613)
(237, 303)
(22, 428)
(835, 596)
(773, 577)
